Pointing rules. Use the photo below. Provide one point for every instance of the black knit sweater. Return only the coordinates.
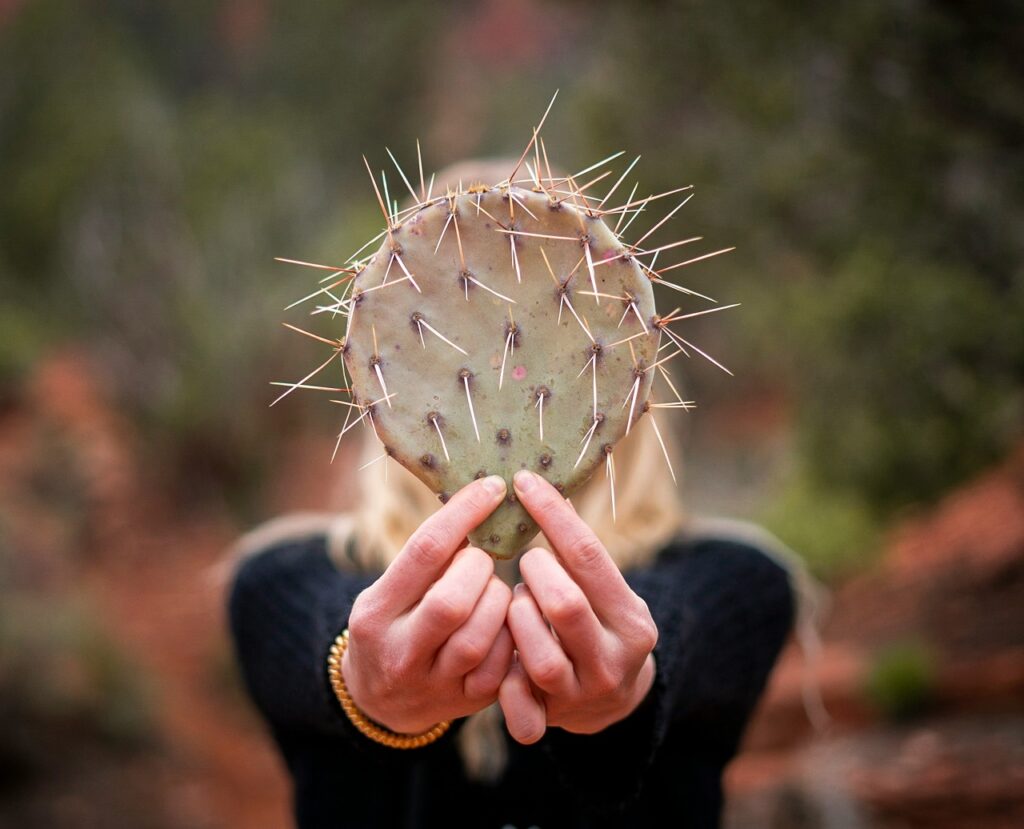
(723, 610)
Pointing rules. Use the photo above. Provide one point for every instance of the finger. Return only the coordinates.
(543, 658)
(525, 717)
(468, 646)
(585, 557)
(448, 603)
(483, 682)
(428, 550)
(567, 608)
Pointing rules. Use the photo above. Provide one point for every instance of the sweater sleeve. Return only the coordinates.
(286, 604)
(723, 610)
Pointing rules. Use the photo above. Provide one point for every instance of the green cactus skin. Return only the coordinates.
(416, 291)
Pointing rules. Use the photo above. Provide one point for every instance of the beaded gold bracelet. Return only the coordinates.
(375, 732)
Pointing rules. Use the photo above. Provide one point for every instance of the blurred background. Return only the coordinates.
(867, 160)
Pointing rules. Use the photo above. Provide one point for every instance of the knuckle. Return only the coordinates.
(641, 628)
(362, 620)
(467, 652)
(446, 609)
(588, 550)
(481, 685)
(649, 636)
(425, 547)
(567, 608)
(548, 670)
(605, 682)
(397, 670)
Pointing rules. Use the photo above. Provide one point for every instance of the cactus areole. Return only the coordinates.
(484, 337)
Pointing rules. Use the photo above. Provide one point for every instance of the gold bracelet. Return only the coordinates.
(375, 732)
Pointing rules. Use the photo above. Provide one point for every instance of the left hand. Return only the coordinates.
(584, 638)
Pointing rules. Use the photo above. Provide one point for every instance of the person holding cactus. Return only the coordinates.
(605, 681)
(414, 666)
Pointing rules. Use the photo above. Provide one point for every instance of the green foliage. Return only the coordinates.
(153, 166)
(60, 670)
(912, 373)
(25, 334)
(833, 532)
(902, 679)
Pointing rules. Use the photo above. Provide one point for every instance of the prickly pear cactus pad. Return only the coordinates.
(503, 326)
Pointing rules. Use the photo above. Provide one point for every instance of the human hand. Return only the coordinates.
(427, 640)
(584, 638)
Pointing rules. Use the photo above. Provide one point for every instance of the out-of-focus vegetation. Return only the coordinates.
(865, 157)
(902, 680)
(61, 675)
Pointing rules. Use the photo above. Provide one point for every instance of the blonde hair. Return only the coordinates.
(648, 512)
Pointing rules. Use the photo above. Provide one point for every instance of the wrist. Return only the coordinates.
(373, 728)
(364, 700)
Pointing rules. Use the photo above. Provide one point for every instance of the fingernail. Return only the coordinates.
(524, 480)
(495, 486)
(519, 589)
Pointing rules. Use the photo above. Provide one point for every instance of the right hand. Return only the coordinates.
(427, 640)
